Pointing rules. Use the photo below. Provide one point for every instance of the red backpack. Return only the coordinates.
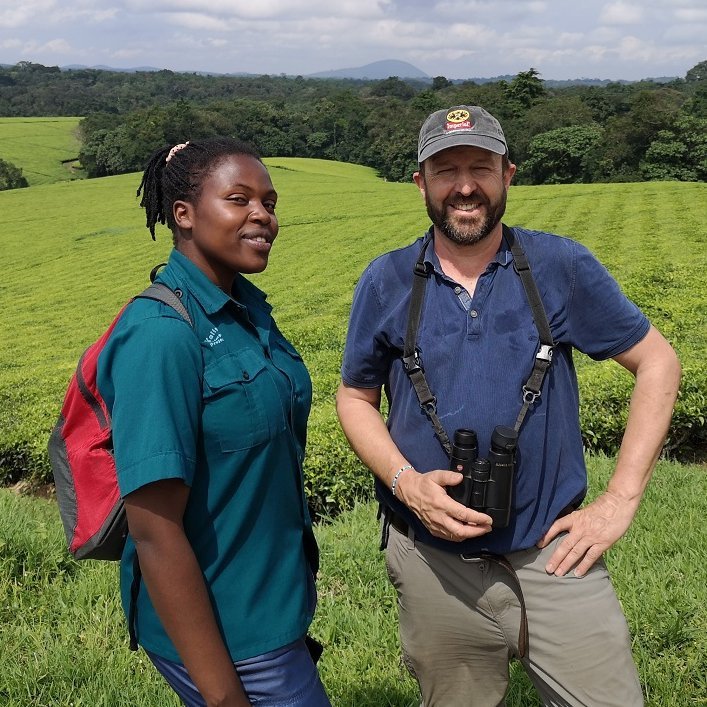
(81, 454)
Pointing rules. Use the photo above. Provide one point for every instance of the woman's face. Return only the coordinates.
(231, 228)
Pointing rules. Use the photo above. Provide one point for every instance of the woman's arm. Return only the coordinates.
(176, 587)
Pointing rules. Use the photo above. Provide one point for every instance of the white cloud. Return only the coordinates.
(687, 34)
(262, 9)
(569, 39)
(24, 13)
(125, 53)
(604, 35)
(621, 13)
(198, 22)
(692, 14)
(56, 46)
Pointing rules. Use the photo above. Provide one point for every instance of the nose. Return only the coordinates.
(465, 184)
(260, 214)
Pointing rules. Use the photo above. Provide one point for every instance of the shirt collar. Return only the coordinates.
(503, 256)
(211, 297)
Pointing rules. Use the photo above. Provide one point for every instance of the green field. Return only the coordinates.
(74, 252)
(41, 147)
(64, 640)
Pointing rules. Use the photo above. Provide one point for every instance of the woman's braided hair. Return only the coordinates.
(178, 175)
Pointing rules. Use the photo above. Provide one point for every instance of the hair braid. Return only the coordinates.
(151, 188)
(181, 178)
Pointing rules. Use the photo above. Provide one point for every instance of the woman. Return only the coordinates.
(209, 425)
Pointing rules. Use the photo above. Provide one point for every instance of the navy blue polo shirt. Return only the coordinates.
(477, 354)
(222, 406)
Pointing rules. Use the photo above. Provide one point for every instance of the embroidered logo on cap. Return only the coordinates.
(458, 119)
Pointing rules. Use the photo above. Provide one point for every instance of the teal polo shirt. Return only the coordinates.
(224, 408)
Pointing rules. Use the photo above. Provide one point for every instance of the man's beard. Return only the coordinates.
(468, 233)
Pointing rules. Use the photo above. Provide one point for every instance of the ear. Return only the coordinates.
(183, 213)
(508, 175)
(419, 179)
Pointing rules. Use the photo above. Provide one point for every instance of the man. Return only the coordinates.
(472, 596)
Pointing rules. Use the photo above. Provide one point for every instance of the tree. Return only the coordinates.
(629, 135)
(562, 111)
(679, 153)
(11, 176)
(393, 87)
(440, 82)
(526, 88)
(696, 88)
(697, 73)
(558, 156)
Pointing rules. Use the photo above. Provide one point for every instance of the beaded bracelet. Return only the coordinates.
(397, 475)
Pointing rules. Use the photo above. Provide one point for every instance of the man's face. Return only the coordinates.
(465, 192)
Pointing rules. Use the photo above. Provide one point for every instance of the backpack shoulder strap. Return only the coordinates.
(161, 293)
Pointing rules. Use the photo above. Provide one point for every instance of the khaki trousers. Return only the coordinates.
(459, 624)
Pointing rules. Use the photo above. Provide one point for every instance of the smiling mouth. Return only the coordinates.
(467, 207)
(258, 237)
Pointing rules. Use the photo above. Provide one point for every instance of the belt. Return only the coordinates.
(399, 523)
(402, 526)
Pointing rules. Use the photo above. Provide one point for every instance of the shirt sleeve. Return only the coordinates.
(602, 321)
(367, 353)
(152, 369)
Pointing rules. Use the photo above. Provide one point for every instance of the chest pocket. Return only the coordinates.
(242, 406)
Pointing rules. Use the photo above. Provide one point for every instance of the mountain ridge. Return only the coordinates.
(373, 71)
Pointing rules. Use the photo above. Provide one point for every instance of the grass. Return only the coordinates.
(46, 149)
(64, 641)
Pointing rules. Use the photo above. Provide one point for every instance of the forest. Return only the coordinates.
(582, 133)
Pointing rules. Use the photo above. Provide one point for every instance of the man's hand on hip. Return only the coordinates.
(591, 531)
(426, 496)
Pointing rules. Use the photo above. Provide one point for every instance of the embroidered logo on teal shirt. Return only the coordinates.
(214, 338)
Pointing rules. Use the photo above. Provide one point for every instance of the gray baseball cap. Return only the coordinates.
(460, 125)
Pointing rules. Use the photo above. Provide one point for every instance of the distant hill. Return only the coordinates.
(102, 67)
(376, 70)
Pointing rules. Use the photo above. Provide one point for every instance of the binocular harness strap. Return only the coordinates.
(412, 361)
(543, 358)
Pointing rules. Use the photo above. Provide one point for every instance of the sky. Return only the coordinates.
(562, 39)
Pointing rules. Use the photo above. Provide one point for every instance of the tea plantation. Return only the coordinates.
(74, 252)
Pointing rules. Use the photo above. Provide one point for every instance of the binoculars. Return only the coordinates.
(487, 485)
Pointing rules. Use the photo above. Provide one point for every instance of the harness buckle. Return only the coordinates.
(413, 363)
(545, 353)
(420, 269)
(529, 396)
(430, 405)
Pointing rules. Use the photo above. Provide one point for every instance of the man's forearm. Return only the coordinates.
(425, 494)
(595, 528)
(368, 436)
(650, 411)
